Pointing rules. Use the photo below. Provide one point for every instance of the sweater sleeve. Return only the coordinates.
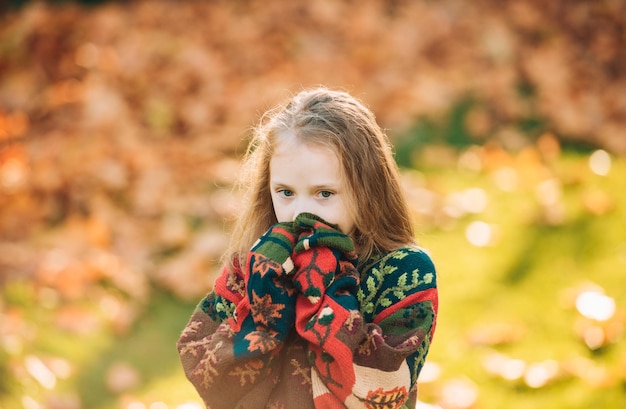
(228, 363)
(368, 341)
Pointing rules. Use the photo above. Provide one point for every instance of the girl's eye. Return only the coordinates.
(325, 194)
(285, 193)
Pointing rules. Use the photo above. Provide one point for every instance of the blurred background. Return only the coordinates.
(122, 126)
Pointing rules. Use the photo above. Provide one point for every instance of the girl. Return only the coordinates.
(324, 300)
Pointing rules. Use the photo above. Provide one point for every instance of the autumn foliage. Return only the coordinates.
(121, 124)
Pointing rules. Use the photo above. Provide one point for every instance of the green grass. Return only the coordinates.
(523, 278)
(149, 348)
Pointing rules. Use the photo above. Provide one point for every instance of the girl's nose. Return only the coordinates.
(302, 206)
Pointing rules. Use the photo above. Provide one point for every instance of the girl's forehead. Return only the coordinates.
(288, 141)
(290, 157)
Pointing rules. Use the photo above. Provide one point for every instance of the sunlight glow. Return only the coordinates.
(479, 233)
(506, 179)
(505, 367)
(470, 160)
(30, 403)
(549, 192)
(430, 372)
(594, 337)
(600, 162)
(42, 374)
(539, 374)
(513, 369)
(459, 393)
(474, 200)
(595, 305)
(60, 367)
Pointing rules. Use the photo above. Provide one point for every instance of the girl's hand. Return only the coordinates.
(277, 245)
(267, 314)
(321, 255)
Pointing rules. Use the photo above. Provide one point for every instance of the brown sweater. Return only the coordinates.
(327, 336)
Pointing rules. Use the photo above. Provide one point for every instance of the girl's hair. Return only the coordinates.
(339, 121)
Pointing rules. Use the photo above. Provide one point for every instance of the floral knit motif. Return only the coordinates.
(358, 338)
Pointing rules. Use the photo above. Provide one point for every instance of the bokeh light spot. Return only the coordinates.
(479, 233)
(595, 305)
(600, 162)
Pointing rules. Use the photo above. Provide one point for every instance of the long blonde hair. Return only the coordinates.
(338, 120)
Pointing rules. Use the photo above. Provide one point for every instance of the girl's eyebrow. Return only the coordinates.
(275, 183)
(320, 186)
(325, 186)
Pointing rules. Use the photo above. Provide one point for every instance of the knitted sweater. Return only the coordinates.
(307, 329)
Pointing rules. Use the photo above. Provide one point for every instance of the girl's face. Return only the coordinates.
(307, 178)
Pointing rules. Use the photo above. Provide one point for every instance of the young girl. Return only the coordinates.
(324, 301)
